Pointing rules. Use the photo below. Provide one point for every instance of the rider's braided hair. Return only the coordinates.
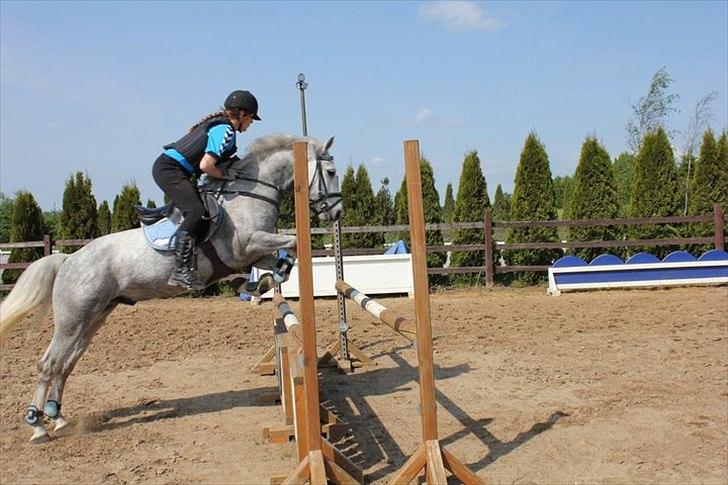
(224, 112)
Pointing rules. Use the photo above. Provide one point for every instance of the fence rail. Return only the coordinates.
(489, 267)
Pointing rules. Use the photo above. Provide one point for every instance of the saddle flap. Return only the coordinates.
(151, 215)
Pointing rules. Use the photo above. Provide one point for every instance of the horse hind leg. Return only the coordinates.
(56, 365)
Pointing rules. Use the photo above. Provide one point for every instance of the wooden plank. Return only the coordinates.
(279, 434)
(306, 303)
(14, 265)
(462, 472)
(264, 364)
(606, 244)
(300, 475)
(338, 475)
(425, 366)
(332, 454)
(435, 467)
(718, 231)
(72, 242)
(317, 468)
(21, 245)
(411, 468)
(606, 222)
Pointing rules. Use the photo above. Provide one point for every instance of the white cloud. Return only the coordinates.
(422, 116)
(459, 15)
(377, 160)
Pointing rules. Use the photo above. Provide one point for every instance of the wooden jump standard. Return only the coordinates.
(318, 458)
(430, 456)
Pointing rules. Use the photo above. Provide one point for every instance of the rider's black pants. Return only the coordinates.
(175, 182)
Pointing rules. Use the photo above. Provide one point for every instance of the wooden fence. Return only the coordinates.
(488, 226)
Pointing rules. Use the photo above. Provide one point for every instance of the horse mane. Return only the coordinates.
(265, 145)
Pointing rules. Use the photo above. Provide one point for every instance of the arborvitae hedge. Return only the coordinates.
(151, 204)
(470, 205)
(655, 192)
(433, 214)
(709, 185)
(563, 186)
(448, 208)
(594, 196)
(124, 216)
(6, 209)
(26, 224)
(533, 200)
(104, 219)
(384, 206)
(501, 205)
(79, 216)
(722, 194)
(624, 169)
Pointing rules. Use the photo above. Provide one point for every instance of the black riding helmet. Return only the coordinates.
(243, 100)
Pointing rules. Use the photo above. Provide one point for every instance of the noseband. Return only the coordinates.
(322, 199)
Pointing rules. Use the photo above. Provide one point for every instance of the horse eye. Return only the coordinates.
(331, 171)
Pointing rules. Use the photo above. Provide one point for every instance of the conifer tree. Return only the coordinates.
(563, 185)
(534, 200)
(594, 196)
(501, 205)
(104, 219)
(359, 209)
(655, 192)
(722, 194)
(26, 224)
(624, 170)
(79, 215)
(151, 204)
(6, 210)
(709, 185)
(501, 212)
(349, 202)
(470, 205)
(448, 208)
(432, 215)
(50, 223)
(383, 206)
(124, 216)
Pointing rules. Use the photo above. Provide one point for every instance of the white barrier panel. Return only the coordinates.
(374, 275)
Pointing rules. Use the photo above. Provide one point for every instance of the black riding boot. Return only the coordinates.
(185, 259)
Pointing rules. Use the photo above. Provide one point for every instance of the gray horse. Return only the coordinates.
(122, 268)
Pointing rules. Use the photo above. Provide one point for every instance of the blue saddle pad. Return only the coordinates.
(162, 235)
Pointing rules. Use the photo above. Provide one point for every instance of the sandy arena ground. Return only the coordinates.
(601, 387)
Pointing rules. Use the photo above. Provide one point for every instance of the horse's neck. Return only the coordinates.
(277, 169)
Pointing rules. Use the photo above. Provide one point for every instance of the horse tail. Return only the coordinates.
(33, 290)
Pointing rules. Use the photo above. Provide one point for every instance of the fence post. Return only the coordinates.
(47, 249)
(488, 231)
(718, 231)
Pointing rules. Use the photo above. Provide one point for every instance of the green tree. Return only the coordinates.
(151, 204)
(383, 205)
(79, 216)
(709, 185)
(6, 210)
(655, 192)
(624, 169)
(50, 222)
(104, 219)
(360, 209)
(470, 205)
(124, 216)
(533, 200)
(594, 196)
(562, 190)
(432, 215)
(26, 224)
(501, 212)
(448, 208)
(651, 111)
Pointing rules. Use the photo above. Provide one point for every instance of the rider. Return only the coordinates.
(207, 143)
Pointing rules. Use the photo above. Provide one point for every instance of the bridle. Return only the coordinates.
(319, 205)
(324, 195)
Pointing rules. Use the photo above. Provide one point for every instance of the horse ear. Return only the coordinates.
(328, 144)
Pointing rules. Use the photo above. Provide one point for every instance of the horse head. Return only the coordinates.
(323, 188)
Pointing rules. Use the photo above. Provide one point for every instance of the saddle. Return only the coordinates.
(160, 224)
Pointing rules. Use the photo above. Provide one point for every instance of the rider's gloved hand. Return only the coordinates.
(229, 174)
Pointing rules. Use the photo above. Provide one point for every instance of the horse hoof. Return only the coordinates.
(39, 437)
(61, 425)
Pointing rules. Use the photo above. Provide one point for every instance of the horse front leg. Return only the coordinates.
(280, 267)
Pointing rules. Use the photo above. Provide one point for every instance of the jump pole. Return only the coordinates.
(430, 456)
(315, 467)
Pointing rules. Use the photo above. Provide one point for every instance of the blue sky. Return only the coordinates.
(100, 87)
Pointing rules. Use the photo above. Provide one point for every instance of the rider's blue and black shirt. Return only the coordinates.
(215, 136)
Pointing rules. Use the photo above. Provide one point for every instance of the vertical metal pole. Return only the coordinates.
(302, 85)
(343, 325)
